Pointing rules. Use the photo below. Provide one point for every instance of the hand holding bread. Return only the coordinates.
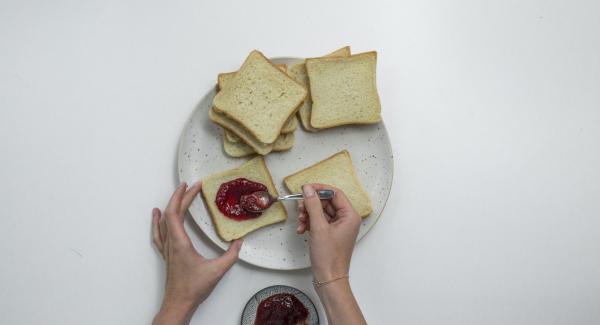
(190, 276)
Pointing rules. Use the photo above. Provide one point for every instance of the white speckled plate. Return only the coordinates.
(278, 246)
(249, 313)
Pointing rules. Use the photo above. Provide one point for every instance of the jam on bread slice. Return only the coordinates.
(231, 227)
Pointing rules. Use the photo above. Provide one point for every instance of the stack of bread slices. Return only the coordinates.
(256, 106)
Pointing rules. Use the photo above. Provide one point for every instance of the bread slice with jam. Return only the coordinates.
(231, 227)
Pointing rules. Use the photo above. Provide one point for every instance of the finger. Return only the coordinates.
(173, 219)
(230, 256)
(339, 200)
(329, 210)
(189, 196)
(302, 221)
(162, 228)
(155, 230)
(176, 233)
(302, 209)
(174, 205)
(313, 207)
(302, 216)
(301, 228)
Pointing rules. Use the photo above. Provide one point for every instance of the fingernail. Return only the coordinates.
(182, 184)
(298, 229)
(308, 191)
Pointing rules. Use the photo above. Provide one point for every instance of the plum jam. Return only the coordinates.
(281, 309)
(229, 194)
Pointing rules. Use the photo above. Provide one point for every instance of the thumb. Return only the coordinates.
(230, 256)
(313, 207)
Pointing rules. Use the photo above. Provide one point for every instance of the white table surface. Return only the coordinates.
(493, 108)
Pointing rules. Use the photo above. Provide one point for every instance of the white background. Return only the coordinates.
(493, 108)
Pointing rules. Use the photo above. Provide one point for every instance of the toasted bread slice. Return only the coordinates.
(343, 90)
(240, 149)
(227, 228)
(260, 97)
(240, 131)
(298, 72)
(337, 171)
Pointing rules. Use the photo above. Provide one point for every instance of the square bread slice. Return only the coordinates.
(298, 72)
(337, 171)
(343, 90)
(240, 149)
(223, 80)
(227, 228)
(224, 77)
(241, 132)
(260, 97)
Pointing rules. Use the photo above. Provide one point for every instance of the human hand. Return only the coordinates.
(190, 277)
(333, 226)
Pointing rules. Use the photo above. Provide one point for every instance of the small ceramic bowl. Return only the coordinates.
(249, 313)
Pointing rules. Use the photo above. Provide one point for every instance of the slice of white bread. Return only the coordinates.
(224, 77)
(237, 142)
(260, 97)
(343, 90)
(337, 171)
(290, 125)
(223, 80)
(227, 228)
(241, 149)
(231, 137)
(298, 72)
(240, 131)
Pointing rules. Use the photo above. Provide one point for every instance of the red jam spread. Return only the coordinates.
(281, 309)
(228, 198)
(254, 201)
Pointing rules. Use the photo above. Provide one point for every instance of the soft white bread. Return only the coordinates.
(227, 228)
(240, 131)
(298, 72)
(343, 90)
(260, 97)
(337, 171)
(241, 149)
(290, 125)
(224, 77)
(231, 137)
(223, 80)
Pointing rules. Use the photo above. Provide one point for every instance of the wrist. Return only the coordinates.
(323, 275)
(337, 286)
(334, 292)
(173, 313)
